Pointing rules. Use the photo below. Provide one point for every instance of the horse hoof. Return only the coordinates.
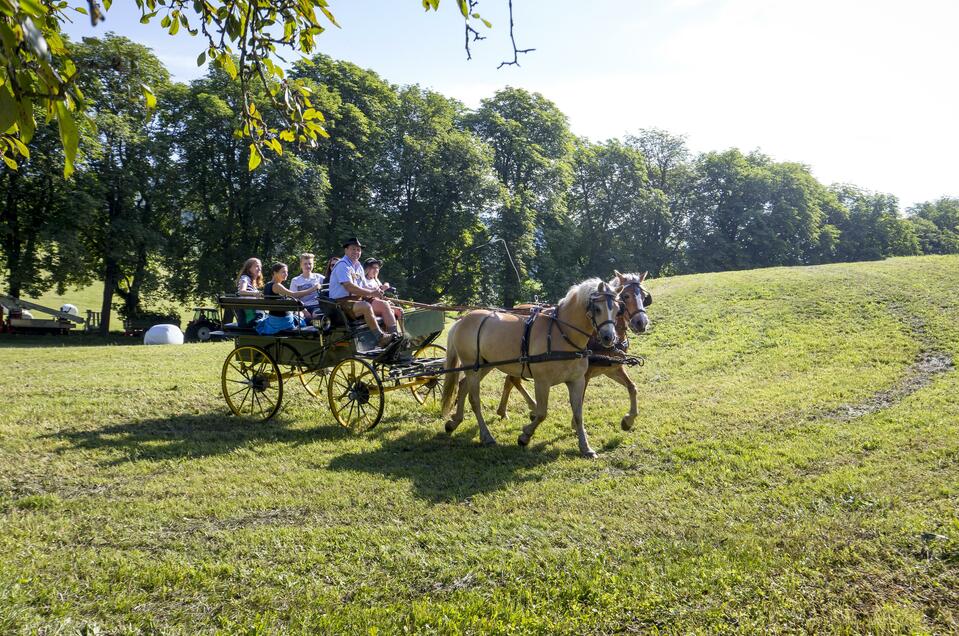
(590, 454)
(627, 423)
(489, 442)
(523, 439)
(502, 413)
(450, 426)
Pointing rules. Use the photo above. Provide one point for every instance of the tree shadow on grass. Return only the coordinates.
(450, 468)
(188, 436)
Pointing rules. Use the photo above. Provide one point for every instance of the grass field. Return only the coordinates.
(795, 468)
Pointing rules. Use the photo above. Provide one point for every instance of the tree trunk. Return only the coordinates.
(9, 222)
(111, 277)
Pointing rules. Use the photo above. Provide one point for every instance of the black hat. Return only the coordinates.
(372, 261)
(352, 241)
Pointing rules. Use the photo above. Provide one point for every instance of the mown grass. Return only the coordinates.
(744, 500)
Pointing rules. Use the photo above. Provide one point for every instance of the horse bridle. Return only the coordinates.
(641, 306)
(611, 299)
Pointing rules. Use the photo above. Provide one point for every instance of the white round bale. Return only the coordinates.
(70, 309)
(163, 334)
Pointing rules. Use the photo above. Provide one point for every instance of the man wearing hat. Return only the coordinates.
(346, 288)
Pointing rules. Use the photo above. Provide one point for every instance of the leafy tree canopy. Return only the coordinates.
(241, 37)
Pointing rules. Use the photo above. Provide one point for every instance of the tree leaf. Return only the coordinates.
(145, 19)
(32, 7)
(149, 96)
(255, 158)
(69, 137)
(464, 9)
(21, 147)
(201, 59)
(9, 114)
(226, 61)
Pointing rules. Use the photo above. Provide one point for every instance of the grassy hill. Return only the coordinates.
(795, 468)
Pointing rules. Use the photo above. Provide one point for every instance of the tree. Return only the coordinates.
(531, 146)
(436, 182)
(242, 37)
(752, 212)
(129, 212)
(936, 224)
(359, 106)
(227, 213)
(40, 219)
(622, 222)
(873, 229)
(670, 171)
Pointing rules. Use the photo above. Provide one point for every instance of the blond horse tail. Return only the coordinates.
(450, 380)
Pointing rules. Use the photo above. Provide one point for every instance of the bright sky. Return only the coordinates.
(863, 92)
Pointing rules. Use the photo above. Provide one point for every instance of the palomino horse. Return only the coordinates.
(633, 302)
(482, 337)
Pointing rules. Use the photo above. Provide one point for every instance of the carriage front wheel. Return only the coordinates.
(430, 392)
(252, 383)
(355, 393)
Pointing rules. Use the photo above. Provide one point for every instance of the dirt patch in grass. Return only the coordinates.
(930, 362)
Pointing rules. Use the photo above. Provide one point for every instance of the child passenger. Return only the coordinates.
(248, 283)
(371, 271)
(251, 278)
(308, 280)
(277, 321)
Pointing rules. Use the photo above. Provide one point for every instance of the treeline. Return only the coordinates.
(162, 206)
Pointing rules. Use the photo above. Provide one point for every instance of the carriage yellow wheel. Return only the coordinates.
(313, 380)
(430, 392)
(355, 394)
(252, 384)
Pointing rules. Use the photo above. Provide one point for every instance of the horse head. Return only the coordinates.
(634, 299)
(602, 309)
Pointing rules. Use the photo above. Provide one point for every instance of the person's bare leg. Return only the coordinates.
(363, 308)
(384, 311)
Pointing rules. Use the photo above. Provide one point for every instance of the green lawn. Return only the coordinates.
(795, 468)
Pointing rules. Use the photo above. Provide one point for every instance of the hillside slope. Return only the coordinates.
(794, 468)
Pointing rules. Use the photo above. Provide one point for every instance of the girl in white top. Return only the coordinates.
(251, 278)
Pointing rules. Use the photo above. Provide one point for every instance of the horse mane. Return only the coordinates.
(630, 278)
(579, 293)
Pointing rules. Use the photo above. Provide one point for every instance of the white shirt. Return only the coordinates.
(345, 271)
(245, 284)
(301, 282)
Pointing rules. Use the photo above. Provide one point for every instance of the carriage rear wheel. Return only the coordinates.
(355, 394)
(252, 383)
(430, 392)
(312, 379)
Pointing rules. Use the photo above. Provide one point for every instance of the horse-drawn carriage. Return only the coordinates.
(549, 344)
(334, 355)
